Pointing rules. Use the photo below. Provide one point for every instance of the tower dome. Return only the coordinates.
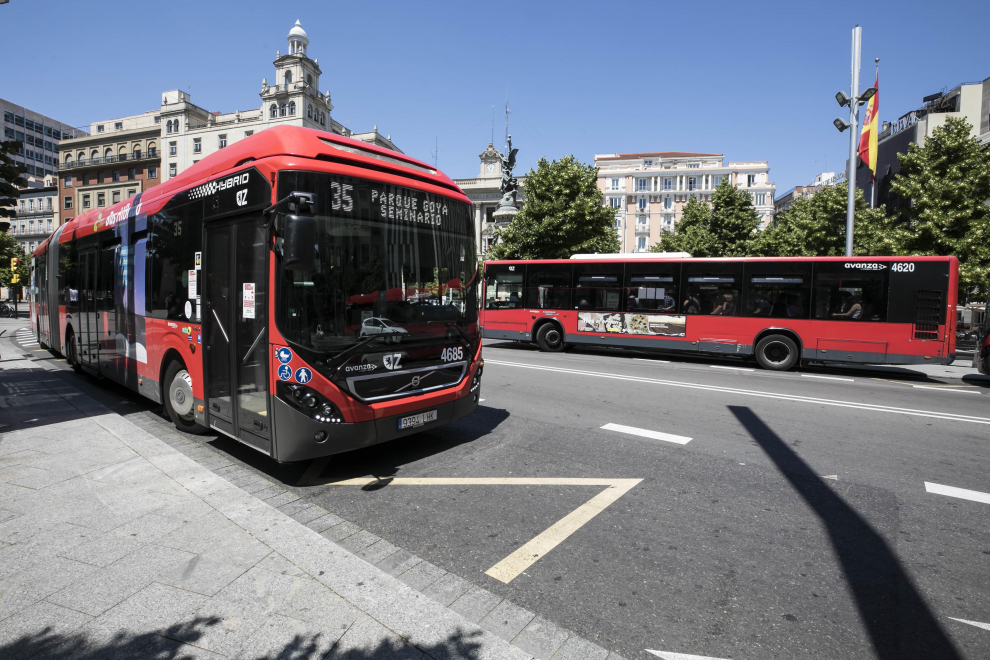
(298, 41)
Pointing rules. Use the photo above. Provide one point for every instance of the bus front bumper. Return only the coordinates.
(297, 434)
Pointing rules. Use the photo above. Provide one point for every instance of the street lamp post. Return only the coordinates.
(854, 101)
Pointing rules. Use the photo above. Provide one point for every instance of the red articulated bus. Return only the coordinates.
(229, 295)
(876, 310)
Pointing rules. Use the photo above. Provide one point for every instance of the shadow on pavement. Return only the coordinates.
(162, 645)
(30, 399)
(900, 625)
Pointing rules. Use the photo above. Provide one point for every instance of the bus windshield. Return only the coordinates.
(392, 265)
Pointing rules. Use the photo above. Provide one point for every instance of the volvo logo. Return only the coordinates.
(415, 381)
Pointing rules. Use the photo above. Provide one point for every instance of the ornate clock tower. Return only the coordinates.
(491, 163)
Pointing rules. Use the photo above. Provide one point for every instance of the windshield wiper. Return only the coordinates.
(337, 360)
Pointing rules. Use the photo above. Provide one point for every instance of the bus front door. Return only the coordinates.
(88, 313)
(235, 319)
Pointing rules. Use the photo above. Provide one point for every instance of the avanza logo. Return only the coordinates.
(862, 266)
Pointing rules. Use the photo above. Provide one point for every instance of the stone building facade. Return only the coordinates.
(648, 190)
(484, 193)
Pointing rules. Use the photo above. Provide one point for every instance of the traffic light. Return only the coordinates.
(13, 263)
(15, 278)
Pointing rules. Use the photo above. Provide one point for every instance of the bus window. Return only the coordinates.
(598, 287)
(176, 237)
(548, 286)
(504, 286)
(651, 289)
(847, 294)
(778, 296)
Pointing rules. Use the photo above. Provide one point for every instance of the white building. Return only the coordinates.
(649, 190)
(190, 133)
(484, 192)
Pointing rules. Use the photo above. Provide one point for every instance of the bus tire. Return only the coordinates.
(179, 400)
(777, 353)
(550, 338)
(72, 352)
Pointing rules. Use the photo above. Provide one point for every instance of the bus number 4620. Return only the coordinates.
(902, 268)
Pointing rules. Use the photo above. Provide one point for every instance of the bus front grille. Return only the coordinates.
(408, 382)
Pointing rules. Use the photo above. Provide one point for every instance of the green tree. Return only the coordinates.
(724, 229)
(9, 249)
(815, 226)
(948, 183)
(10, 178)
(563, 215)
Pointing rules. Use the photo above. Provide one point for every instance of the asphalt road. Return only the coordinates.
(795, 522)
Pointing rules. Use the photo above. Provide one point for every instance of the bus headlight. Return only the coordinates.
(310, 402)
(476, 381)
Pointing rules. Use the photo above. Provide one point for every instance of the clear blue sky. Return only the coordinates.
(754, 81)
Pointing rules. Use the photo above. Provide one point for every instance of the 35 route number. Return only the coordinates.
(341, 197)
(452, 354)
(902, 268)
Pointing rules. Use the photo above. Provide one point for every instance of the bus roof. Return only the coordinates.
(667, 257)
(286, 141)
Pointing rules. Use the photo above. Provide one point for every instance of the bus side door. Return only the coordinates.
(88, 313)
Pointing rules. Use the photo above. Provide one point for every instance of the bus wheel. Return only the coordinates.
(179, 399)
(549, 338)
(777, 353)
(72, 352)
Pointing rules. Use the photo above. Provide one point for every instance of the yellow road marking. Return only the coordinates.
(529, 553)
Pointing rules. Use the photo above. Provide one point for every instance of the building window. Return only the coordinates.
(152, 150)
(197, 145)
(49, 225)
(68, 202)
(171, 169)
(292, 108)
(641, 243)
(642, 204)
(323, 118)
(68, 179)
(614, 184)
(248, 133)
(668, 203)
(223, 140)
(118, 126)
(750, 180)
(309, 110)
(281, 110)
(648, 163)
(692, 182)
(668, 184)
(274, 111)
(172, 148)
(615, 202)
(101, 199)
(131, 192)
(694, 165)
(716, 180)
(131, 174)
(288, 78)
(137, 153)
(158, 120)
(99, 128)
(759, 199)
(85, 201)
(48, 203)
(116, 176)
(30, 205)
(116, 196)
(152, 172)
(642, 185)
(309, 79)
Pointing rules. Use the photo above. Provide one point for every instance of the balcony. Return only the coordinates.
(108, 160)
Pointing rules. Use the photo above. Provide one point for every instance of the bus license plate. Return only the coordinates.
(413, 421)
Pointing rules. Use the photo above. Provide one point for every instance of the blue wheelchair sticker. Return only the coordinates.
(284, 356)
(284, 372)
(303, 375)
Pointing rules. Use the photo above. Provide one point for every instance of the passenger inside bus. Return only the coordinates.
(728, 306)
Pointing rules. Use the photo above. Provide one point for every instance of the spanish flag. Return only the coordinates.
(868, 138)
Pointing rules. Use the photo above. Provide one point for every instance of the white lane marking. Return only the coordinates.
(757, 393)
(978, 624)
(718, 366)
(833, 477)
(943, 389)
(527, 554)
(826, 377)
(656, 435)
(652, 360)
(961, 493)
(480, 400)
(668, 655)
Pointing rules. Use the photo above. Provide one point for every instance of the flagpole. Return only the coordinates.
(873, 178)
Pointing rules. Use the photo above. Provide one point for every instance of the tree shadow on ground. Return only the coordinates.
(900, 625)
(163, 645)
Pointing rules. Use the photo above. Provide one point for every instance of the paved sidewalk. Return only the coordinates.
(115, 545)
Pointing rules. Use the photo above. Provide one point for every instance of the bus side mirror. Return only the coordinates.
(299, 242)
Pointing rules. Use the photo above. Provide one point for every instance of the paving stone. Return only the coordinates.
(39, 581)
(30, 622)
(283, 637)
(149, 527)
(268, 492)
(576, 648)
(315, 603)
(6, 515)
(447, 589)
(507, 620)
(476, 604)
(422, 575)
(368, 638)
(254, 486)
(377, 551)
(276, 563)
(202, 574)
(359, 541)
(308, 514)
(398, 562)
(280, 500)
(324, 522)
(292, 508)
(341, 531)
(103, 550)
(541, 639)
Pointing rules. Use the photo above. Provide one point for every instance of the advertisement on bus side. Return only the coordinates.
(633, 324)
